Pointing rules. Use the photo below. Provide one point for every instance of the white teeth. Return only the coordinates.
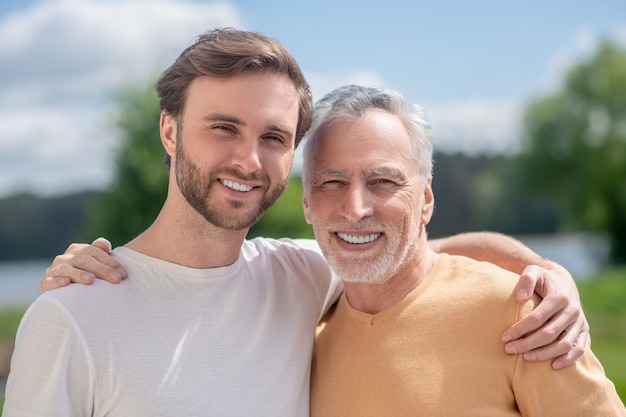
(358, 239)
(236, 186)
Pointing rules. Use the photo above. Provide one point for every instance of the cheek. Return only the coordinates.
(278, 166)
(317, 211)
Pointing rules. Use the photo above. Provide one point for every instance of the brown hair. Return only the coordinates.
(227, 52)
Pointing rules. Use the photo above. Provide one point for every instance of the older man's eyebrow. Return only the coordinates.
(330, 172)
(384, 172)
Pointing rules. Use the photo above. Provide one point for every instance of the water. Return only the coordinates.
(581, 254)
(19, 281)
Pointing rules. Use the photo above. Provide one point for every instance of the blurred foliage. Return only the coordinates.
(603, 301)
(574, 149)
(9, 321)
(477, 194)
(285, 217)
(139, 186)
(41, 227)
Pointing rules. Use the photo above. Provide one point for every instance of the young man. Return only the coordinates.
(208, 322)
(416, 332)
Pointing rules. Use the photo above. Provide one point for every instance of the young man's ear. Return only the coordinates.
(168, 128)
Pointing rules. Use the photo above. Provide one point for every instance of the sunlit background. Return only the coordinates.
(473, 65)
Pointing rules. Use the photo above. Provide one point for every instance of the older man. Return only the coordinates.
(416, 332)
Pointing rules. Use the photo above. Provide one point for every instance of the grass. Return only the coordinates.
(9, 320)
(604, 303)
(603, 299)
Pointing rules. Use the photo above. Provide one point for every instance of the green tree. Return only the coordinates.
(139, 186)
(140, 180)
(574, 147)
(286, 217)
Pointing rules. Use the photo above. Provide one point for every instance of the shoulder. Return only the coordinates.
(293, 260)
(49, 316)
(284, 244)
(296, 252)
(475, 272)
(474, 282)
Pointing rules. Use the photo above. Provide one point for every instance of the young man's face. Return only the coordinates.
(233, 147)
(366, 199)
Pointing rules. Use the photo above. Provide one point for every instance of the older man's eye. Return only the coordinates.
(382, 181)
(330, 184)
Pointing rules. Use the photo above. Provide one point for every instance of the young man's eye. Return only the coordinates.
(275, 138)
(224, 127)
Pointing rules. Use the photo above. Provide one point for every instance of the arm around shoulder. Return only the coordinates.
(557, 328)
(581, 390)
(497, 248)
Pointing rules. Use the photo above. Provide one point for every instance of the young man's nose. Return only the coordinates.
(246, 155)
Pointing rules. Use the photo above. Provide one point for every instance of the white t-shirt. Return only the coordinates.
(177, 341)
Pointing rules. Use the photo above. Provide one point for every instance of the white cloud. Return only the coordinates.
(475, 126)
(61, 60)
(321, 84)
(619, 35)
(44, 149)
(583, 46)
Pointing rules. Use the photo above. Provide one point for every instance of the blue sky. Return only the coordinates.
(472, 65)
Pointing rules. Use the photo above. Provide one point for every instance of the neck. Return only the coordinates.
(184, 237)
(374, 298)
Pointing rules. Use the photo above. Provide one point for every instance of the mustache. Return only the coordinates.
(368, 225)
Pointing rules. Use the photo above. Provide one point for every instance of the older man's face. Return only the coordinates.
(366, 199)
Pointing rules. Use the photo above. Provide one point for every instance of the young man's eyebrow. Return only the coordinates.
(282, 129)
(220, 117)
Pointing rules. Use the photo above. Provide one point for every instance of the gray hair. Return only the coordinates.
(352, 101)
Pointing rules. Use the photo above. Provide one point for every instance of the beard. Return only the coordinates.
(367, 268)
(196, 188)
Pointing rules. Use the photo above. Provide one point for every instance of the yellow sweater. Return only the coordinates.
(438, 352)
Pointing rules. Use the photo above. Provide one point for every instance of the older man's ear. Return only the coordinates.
(428, 206)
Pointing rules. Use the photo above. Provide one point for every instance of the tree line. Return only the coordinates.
(41, 227)
(569, 176)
